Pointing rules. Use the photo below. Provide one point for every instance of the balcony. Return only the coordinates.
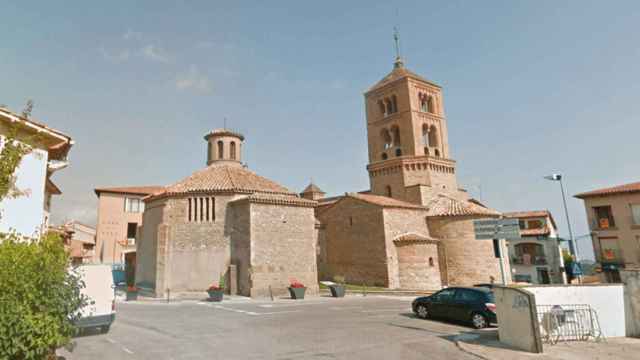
(610, 256)
(529, 260)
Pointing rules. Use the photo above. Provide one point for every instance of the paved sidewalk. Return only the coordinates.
(484, 344)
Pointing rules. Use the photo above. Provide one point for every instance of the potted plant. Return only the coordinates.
(216, 292)
(132, 293)
(337, 289)
(297, 289)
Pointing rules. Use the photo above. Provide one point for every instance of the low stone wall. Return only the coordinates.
(518, 321)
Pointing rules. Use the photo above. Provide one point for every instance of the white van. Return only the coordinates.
(100, 311)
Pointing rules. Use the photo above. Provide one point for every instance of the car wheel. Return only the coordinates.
(422, 312)
(479, 321)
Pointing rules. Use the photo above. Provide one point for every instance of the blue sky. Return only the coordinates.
(531, 88)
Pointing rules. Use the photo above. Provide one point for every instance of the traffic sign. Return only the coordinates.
(488, 229)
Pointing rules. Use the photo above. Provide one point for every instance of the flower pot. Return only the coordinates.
(297, 293)
(215, 295)
(132, 295)
(337, 290)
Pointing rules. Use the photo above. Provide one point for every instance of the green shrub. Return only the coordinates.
(39, 297)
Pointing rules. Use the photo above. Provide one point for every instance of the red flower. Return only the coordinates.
(214, 287)
(296, 284)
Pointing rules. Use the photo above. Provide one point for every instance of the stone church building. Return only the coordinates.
(414, 228)
(226, 215)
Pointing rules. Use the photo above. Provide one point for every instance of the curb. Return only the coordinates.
(467, 351)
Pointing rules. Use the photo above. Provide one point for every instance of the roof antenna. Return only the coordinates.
(225, 123)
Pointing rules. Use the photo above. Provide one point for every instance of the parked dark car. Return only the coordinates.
(475, 305)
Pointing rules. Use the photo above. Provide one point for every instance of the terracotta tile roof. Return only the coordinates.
(414, 237)
(620, 189)
(222, 177)
(277, 199)
(52, 188)
(384, 201)
(531, 214)
(396, 74)
(444, 205)
(135, 190)
(312, 188)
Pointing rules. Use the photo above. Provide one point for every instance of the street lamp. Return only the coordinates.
(558, 177)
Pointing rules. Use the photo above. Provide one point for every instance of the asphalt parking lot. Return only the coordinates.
(353, 327)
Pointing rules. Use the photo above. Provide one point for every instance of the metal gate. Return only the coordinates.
(568, 322)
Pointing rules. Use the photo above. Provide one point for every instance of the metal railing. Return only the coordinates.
(533, 260)
(569, 322)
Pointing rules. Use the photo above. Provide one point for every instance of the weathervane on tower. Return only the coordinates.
(396, 37)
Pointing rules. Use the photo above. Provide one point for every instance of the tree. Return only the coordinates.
(39, 297)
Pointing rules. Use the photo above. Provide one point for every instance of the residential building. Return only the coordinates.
(613, 215)
(119, 218)
(536, 257)
(223, 215)
(28, 214)
(82, 242)
(414, 228)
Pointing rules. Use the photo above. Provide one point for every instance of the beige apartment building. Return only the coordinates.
(119, 217)
(536, 257)
(613, 215)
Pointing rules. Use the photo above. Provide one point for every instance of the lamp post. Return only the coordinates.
(558, 177)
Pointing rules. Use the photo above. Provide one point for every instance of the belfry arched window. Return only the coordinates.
(383, 109)
(430, 105)
(433, 136)
(388, 190)
(425, 135)
(220, 149)
(232, 150)
(394, 104)
(386, 139)
(422, 97)
(395, 132)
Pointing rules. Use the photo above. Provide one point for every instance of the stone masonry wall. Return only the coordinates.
(354, 243)
(241, 245)
(399, 222)
(147, 245)
(418, 266)
(469, 261)
(282, 249)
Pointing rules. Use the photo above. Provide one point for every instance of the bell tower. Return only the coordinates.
(407, 135)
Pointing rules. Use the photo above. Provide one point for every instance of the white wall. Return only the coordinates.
(606, 300)
(25, 214)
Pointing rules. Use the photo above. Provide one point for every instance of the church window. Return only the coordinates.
(350, 220)
(201, 209)
(398, 152)
(207, 207)
(388, 188)
(386, 138)
(433, 136)
(213, 209)
(396, 135)
(384, 156)
(426, 150)
(232, 150)
(430, 105)
(425, 135)
(189, 210)
(388, 106)
(220, 149)
(431, 261)
(195, 209)
(394, 104)
(423, 101)
(209, 149)
(437, 153)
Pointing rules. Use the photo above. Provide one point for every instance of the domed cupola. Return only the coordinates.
(224, 145)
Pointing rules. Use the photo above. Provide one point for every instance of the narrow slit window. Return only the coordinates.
(201, 210)
(189, 210)
(207, 208)
(213, 209)
(195, 209)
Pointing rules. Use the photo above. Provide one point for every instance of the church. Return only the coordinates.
(414, 228)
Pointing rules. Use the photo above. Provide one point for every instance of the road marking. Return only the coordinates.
(127, 350)
(111, 340)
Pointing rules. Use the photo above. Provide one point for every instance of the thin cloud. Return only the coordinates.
(194, 80)
(117, 57)
(155, 53)
(132, 35)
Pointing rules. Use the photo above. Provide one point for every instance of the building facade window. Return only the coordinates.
(220, 149)
(635, 213)
(133, 205)
(388, 190)
(201, 209)
(384, 156)
(132, 229)
(386, 139)
(604, 217)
